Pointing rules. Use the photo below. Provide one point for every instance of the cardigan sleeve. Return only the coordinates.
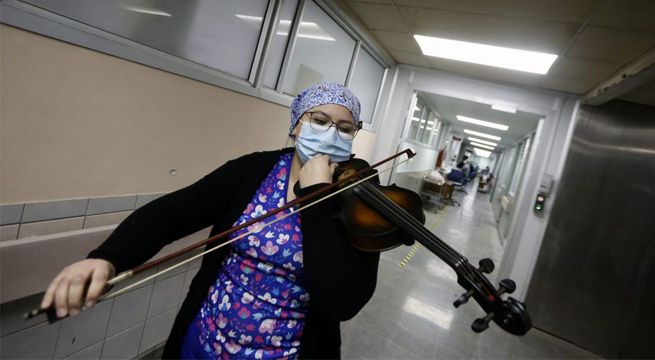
(340, 279)
(173, 216)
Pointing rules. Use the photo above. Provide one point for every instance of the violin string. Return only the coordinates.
(255, 229)
(411, 221)
(415, 223)
(460, 263)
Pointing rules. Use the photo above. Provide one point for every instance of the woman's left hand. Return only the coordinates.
(316, 170)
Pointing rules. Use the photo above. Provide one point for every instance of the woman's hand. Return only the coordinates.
(316, 170)
(67, 289)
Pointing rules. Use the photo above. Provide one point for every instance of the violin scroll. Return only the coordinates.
(510, 314)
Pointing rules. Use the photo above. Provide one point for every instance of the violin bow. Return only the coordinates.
(127, 274)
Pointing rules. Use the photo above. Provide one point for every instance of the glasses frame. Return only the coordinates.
(358, 124)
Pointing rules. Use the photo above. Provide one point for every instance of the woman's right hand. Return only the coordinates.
(66, 291)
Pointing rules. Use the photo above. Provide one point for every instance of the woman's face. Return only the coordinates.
(334, 112)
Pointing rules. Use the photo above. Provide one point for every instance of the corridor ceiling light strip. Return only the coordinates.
(492, 137)
(482, 141)
(482, 146)
(482, 153)
(482, 123)
(497, 56)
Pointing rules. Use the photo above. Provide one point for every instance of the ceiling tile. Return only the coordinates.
(569, 85)
(626, 14)
(620, 46)
(397, 41)
(379, 16)
(524, 34)
(586, 69)
(551, 10)
(409, 58)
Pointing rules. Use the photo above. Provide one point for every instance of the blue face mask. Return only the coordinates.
(311, 143)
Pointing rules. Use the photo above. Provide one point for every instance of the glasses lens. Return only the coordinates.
(319, 122)
(346, 130)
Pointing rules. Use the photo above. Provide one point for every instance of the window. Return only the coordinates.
(322, 51)
(424, 124)
(279, 43)
(201, 31)
(219, 42)
(365, 83)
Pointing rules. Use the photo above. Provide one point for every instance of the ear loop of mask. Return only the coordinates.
(291, 138)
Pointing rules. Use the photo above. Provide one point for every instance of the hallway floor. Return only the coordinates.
(411, 315)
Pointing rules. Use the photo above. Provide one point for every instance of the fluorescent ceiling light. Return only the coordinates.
(504, 108)
(482, 153)
(143, 10)
(482, 146)
(502, 57)
(482, 122)
(482, 141)
(492, 137)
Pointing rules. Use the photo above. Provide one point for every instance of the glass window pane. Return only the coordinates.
(202, 31)
(322, 51)
(279, 43)
(415, 121)
(365, 83)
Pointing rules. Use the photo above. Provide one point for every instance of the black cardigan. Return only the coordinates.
(339, 278)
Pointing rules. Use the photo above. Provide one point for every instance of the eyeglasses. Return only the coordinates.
(319, 121)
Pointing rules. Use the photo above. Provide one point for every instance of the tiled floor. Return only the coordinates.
(411, 315)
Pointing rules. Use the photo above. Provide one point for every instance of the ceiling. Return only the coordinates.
(593, 38)
(520, 124)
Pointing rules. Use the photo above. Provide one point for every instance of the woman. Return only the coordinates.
(280, 292)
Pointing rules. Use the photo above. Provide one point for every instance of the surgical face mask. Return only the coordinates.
(311, 143)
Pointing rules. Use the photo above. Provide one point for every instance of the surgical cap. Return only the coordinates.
(321, 94)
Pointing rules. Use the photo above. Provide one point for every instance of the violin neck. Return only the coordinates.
(409, 224)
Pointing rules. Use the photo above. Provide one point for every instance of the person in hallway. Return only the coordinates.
(464, 166)
(278, 293)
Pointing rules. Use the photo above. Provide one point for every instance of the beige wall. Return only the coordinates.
(79, 123)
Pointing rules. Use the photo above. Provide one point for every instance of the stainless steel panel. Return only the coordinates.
(594, 282)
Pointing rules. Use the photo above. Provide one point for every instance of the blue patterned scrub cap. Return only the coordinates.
(321, 94)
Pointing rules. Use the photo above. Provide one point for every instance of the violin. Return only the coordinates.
(378, 218)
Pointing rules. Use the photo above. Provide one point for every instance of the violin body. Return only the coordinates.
(380, 218)
(368, 228)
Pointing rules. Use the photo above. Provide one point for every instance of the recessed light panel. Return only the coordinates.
(497, 56)
(492, 137)
(482, 146)
(482, 141)
(481, 153)
(482, 123)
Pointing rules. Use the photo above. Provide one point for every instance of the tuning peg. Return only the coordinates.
(486, 266)
(506, 286)
(463, 299)
(481, 324)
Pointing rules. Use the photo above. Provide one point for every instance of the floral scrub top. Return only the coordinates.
(256, 308)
